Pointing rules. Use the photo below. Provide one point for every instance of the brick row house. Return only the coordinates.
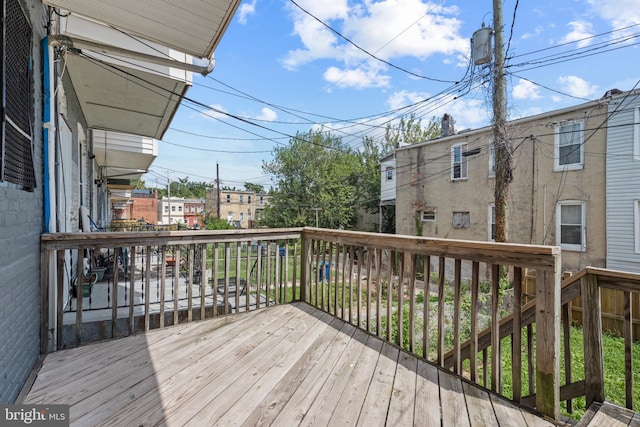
(575, 183)
(88, 89)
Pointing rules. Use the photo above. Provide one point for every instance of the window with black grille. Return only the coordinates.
(16, 156)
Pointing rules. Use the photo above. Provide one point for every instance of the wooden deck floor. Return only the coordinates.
(286, 365)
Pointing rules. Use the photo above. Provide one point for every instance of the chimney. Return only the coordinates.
(447, 126)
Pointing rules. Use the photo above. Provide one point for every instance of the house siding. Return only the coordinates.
(623, 185)
(21, 223)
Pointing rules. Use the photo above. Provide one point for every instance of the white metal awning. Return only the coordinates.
(191, 26)
(121, 156)
(118, 93)
(123, 99)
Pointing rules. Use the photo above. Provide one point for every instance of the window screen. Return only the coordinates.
(16, 156)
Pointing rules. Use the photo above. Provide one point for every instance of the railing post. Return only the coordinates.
(592, 330)
(304, 266)
(548, 340)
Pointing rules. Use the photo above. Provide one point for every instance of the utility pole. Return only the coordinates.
(169, 195)
(502, 147)
(316, 209)
(218, 189)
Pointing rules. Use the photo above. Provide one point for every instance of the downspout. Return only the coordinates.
(49, 137)
(50, 208)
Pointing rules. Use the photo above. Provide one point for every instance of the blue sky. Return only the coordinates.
(279, 71)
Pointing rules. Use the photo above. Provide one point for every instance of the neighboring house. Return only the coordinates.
(171, 211)
(87, 91)
(193, 212)
(623, 182)
(388, 180)
(241, 208)
(144, 206)
(557, 196)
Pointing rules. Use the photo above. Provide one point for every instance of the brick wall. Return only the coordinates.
(21, 223)
(145, 207)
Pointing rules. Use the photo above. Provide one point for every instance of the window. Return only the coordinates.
(230, 216)
(173, 208)
(428, 215)
(241, 199)
(492, 161)
(491, 222)
(249, 216)
(636, 134)
(16, 151)
(568, 146)
(180, 208)
(241, 216)
(166, 208)
(261, 200)
(570, 228)
(458, 162)
(389, 172)
(461, 220)
(249, 199)
(228, 198)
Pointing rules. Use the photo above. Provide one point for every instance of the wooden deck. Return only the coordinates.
(286, 365)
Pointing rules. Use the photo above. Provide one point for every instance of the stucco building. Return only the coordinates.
(445, 187)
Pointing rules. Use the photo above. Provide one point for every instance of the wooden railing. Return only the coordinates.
(139, 281)
(586, 286)
(445, 300)
(455, 303)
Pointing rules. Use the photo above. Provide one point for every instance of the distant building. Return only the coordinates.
(241, 208)
(194, 212)
(171, 211)
(144, 206)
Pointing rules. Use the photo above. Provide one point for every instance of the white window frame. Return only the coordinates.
(241, 216)
(636, 224)
(558, 132)
(228, 198)
(491, 221)
(571, 246)
(492, 160)
(389, 173)
(428, 215)
(464, 164)
(636, 133)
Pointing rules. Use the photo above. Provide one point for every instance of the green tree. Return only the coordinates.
(256, 188)
(409, 130)
(185, 188)
(317, 174)
(212, 222)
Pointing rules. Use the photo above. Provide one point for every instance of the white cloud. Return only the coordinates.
(536, 32)
(246, 9)
(526, 90)
(575, 86)
(619, 13)
(579, 31)
(363, 77)
(267, 114)
(215, 112)
(467, 113)
(387, 29)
